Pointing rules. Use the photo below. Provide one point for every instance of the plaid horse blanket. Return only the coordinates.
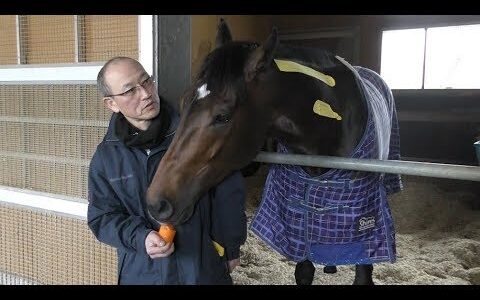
(341, 217)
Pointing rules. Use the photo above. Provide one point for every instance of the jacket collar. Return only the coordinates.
(110, 136)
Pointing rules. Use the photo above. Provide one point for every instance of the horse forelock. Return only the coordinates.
(223, 70)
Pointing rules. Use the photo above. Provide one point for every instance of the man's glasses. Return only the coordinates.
(146, 84)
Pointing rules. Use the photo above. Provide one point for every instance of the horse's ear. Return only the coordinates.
(261, 57)
(223, 34)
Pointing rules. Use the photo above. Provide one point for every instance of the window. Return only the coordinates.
(431, 58)
(402, 65)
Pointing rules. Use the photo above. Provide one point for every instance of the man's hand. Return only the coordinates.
(233, 263)
(156, 246)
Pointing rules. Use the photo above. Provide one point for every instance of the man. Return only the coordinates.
(207, 246)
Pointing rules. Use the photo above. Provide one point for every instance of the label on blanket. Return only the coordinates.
(365, 223)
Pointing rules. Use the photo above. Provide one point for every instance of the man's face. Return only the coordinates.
(133, 92)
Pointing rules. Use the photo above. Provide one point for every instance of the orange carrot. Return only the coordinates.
(167, 232)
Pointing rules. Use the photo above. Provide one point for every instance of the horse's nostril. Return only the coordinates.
(164, 210)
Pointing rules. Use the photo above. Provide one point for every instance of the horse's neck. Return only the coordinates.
(302, 131)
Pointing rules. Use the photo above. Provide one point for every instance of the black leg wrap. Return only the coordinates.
(304, 272)
(330, 269)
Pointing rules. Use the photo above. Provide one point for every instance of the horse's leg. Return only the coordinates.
(330, 269)
(304, 272)
(363, 275)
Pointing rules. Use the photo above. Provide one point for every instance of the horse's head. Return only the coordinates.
(222, 127)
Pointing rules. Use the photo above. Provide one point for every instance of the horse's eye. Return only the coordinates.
(221, 119)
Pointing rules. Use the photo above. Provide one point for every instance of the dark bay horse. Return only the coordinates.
(311, 102)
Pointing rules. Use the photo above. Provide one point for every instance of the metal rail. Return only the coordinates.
(462, 172)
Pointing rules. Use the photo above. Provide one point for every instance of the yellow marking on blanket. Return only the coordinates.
(323, 109)
(220, 249)
(290, 66)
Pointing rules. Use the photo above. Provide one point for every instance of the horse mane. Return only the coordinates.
(223, 68)
(315, 58)
(225, 64)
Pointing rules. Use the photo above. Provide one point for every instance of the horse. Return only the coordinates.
(310, 102)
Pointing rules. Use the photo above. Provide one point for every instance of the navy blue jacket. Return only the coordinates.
(117, 183)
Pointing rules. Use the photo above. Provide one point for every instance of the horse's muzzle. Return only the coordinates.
(161, 210)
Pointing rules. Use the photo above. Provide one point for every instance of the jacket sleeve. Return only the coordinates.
(229, 221)
(107, 217)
